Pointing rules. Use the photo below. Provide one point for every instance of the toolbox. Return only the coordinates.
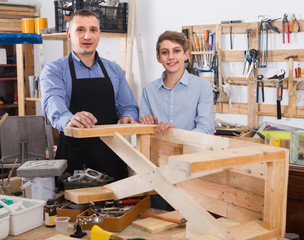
(25, 214)
(67, 211)
(119, 223)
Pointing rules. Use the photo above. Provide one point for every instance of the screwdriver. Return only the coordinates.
(299, 71)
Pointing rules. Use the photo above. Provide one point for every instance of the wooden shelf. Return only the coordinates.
(33, 99)
(9, 106)
(8, 79)
(63, 35)
(8, 65)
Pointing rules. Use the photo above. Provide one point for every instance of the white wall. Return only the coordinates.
(154, 17)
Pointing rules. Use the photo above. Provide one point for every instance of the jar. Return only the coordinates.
(50, 213)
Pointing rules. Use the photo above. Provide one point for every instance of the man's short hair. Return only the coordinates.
(83, 13)
(172, 36)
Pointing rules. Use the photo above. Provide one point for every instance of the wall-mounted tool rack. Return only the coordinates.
(252, 109)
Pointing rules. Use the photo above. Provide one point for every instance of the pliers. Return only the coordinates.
(285, 22)
(295, 22)
(260, 81)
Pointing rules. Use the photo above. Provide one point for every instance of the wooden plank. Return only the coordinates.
(291, 91)
(196, 162)
(196, 215)
(18, 8)
(197, 140)
(20, 79)
(153, 225)
(143, 144)
(227, 194)
(30, 107)
(275, 195)
(19, 13)
(85, 195)
(130, 37)
(272, 55)
(109, 130)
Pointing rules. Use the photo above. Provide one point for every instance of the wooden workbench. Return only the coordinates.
(44, 232)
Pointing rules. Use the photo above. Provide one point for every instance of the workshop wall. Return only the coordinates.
(154, 17)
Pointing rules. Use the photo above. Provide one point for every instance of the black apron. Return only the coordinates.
(94, 95)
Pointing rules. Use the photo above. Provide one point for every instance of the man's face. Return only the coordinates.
(172, 56)
(84, 35)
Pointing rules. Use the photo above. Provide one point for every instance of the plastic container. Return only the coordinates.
(4, 222)
(62, 224)
(25, 214)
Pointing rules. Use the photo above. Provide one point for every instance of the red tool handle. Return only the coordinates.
(128, 202)
(283, 27)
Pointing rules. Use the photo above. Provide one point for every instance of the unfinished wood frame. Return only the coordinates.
(252, 109)
(241, 181)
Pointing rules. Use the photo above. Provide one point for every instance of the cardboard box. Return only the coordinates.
(66, 211)
(120, 223)
(14, 185)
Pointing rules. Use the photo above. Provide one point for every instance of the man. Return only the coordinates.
(82, 90)
(177, 99)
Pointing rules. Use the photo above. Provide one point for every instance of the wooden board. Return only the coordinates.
(109, 130)
(153, 225)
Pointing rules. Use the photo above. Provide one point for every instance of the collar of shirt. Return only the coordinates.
(184, 79)
(80, 62)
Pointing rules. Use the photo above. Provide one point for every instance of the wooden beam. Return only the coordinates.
(20, 79)
(85, 195)
(143, 144)
(196, 162)
(196, 215)
(109, 130)
(130, 38)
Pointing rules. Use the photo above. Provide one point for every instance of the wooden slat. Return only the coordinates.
(196, 162)
(85, 195)
(227, 194)
(109, 130)
(143, 144)
(153, 225)
(20, 81)
(19, 14)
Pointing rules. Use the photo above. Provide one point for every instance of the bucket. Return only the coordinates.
(39, 24)
(28, 25)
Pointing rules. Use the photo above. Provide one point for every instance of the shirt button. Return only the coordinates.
(171, 120)
(171, 106)
(172, 92)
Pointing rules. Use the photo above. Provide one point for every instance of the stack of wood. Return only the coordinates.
(12, 13)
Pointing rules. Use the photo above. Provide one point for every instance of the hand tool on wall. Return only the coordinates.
(260, 81)
(265, 26)
(230, 22)
(210, 48)
(294, 22)
(249, 34)
(206, 43)
(254, 57)
(285, 27)
(280, 78)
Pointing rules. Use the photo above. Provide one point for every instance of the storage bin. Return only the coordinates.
(25, 214)
(4, 222)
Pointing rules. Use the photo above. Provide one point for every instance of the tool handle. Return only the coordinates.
(206, 36)
(160, 217)
(283, 27)
(211, 41)
(195, 39)
(279, 115)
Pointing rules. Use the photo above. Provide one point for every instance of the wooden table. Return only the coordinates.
(44, 232)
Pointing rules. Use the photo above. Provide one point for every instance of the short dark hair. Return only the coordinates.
(173, 36)
(83, 13)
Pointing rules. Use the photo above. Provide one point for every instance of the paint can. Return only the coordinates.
(39, 24)
(28, 25)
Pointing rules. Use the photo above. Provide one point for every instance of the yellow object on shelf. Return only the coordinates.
(28, 25)
(39, 24)
(282, 135)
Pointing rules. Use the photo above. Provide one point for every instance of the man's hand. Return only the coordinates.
(149, 119)
(163, 126)
(82, 120)
(126, 120)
